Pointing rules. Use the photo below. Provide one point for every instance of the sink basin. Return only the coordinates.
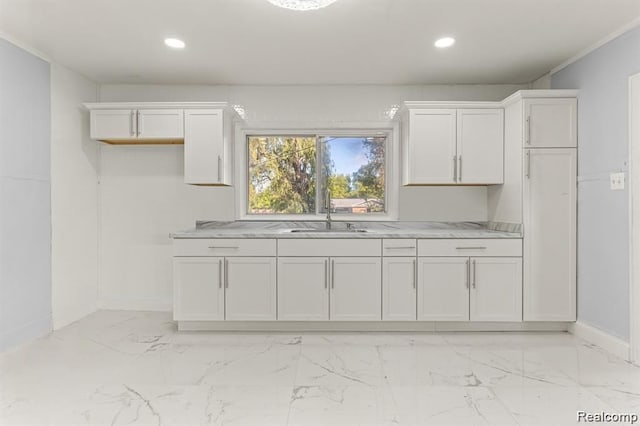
(329, 230)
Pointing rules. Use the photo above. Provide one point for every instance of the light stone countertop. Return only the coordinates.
(260, 229)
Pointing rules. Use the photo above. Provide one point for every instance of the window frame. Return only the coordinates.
(241, 163)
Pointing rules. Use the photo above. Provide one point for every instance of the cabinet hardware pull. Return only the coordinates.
(528, 165)
(471, 248)
(226, 273)
(528, 140)
(132, 126)
(219, 169)
(473, 283)
(220, 273)
(400, 248)
(139, 123)
(468, 273)
(225, 247)
(326, 273)
(455, 168)
(333, 272)
(415, 273)
(460, 168)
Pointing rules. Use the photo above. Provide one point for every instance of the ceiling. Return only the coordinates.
(349, 42)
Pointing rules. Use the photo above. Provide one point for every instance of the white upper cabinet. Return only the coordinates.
(550, 123)
(137, 125)
(207, 147)
(431, 150)
(480, 146)
(461, 146)
(113, 124)
(160, 124)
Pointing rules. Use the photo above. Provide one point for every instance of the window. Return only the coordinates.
(289, 174)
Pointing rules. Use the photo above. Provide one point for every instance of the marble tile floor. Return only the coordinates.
(119, 367)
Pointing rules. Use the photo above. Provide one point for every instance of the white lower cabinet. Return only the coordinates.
(496, 289)
(198, 289)
(355, 289)
(399, 282)
(303, 288)
(250, 288)
(443, 289)
(484, 287)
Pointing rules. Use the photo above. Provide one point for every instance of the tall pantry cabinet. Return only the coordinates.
(540, 192)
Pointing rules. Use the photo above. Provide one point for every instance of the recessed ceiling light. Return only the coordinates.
(174, 42)
(302, 5)
(444, 42)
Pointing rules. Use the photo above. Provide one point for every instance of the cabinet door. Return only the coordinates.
(550, 235)
(443, 288)
(431, 146)
(203, 147)
(198, 288)
(113, 124)
(550, 123)
(303, 288)
(480, 146)
(496, 289)
(399, 283)
(355, 289)
(160, 124)
(250, 288)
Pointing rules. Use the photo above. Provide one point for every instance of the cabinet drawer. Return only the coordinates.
(224, 247)
(329, 247)
(399, 247)
(470, 247)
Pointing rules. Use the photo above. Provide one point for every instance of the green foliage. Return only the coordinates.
(282, 175)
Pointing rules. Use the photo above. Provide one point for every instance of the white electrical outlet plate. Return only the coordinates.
(617, 181)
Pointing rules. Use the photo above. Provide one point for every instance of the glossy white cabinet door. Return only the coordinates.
(303, 288)
(443, 289)
(431, 146)
(550, 123)
(118, 124)
(198, 289)
(355, 289)
(203, 146)
(399, 282)
(250, 288)
(480, 139)
(496, 289)
(160, 124)
(550, 235)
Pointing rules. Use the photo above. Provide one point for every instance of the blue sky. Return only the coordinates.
(347, 154)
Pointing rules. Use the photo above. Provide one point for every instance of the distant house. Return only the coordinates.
(356, 205)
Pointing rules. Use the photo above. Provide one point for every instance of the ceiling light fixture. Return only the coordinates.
(302, 5)
(174, 42)
(444, 42)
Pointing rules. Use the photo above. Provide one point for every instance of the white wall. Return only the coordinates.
(143, 197)
(25, 226)
(603, 147)
(74, 198)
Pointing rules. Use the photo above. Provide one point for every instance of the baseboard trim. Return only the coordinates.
(64, 320)
(602, 339)
(373, 326)
(135, 305)
(26, 333)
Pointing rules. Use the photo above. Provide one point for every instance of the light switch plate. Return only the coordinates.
(617, 181)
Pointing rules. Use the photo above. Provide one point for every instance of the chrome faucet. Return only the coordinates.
(327, 205)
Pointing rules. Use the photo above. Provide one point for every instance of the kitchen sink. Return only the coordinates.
(329, 230)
